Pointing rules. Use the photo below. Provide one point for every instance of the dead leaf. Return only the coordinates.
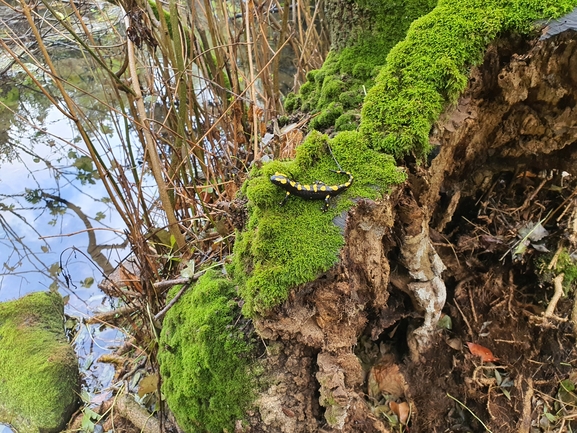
(387, 378)
(455, 343)
(130, 280)
(148, 385)
(482, 352)
(402, 411)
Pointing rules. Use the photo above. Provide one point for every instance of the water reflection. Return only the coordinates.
(38, 236)
(54, 212)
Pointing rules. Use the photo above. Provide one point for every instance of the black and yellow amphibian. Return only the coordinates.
(316, 191)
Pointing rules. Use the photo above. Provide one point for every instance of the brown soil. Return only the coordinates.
(452, 241)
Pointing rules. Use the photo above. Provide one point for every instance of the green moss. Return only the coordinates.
(39, 378)
(354, 68)
(351, 99)
(362, 70)
(347, 122)
(327, 117)
(563, 264)
(429, 68)
(290, 245)
(330, 91)
(292, 102)
(205, 360)
(306, 89)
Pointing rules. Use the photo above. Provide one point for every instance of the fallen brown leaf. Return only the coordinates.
(402, 411)
(482, 352)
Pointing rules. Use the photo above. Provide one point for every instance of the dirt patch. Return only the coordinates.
(479, 239)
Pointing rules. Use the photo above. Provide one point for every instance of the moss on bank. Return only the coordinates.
(205, 359)
(338, 88)
(430, 67)
(290, 245)
(284, 247)
(39, 378)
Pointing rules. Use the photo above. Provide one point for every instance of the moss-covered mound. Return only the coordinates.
(205, 360)
(430, 67)
(290, 245)
(336, 91)
(284, 247)
(39, 378)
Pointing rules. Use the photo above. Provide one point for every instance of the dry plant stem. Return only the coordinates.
(574, 315)
(170, 283)
(464, 319)
(173, 301)
(553, 262)
(470, 411)
(240, 96)
(525, 424)
(111, 316)
(558, 282)
(33, 78)
(127, 408)
(529, 199)
(94, 55)
(151, 147)
(248, 14)
(472, 302)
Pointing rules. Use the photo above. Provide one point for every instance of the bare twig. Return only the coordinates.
(558, 283)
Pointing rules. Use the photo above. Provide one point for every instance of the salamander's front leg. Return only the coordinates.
(285, 198)
(326, 206)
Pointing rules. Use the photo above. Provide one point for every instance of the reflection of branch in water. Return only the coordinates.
(94, 250)
(20, 249)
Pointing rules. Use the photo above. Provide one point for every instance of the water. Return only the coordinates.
(37, 240)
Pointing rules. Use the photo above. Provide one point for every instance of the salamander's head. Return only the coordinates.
(279, 179)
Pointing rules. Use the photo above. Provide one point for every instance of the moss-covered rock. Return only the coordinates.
(290, 245)
(205, 360)
(39, 377)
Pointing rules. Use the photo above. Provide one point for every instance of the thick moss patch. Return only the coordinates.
(205, 360)
(338, 88)
(290, 245)
(39, 378)
(430, 67)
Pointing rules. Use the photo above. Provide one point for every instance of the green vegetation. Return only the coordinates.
(284, 247)
(563, 264)
(34, 353)
(290, 245)
(345, 76)
(429, 69)
(205, 359)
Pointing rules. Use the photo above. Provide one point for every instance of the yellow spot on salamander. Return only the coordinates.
(307, 187)
(299, 187)
(315, 188)
(323, 188)
(293, 183)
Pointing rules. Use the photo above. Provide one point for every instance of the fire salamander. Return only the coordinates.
(316, 191)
